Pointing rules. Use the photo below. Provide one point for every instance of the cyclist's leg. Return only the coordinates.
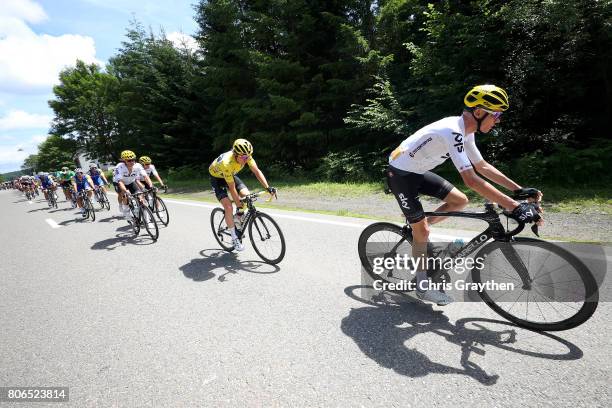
(219, 186)
(242, 189)
(436, 186)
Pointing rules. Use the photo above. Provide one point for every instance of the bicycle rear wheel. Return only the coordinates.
(384, 240)
(220, 230)
(161, 211)
(562, 295)
(147, 219)
(267, 238)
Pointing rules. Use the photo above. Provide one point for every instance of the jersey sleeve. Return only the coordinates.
(251, 162)
(153, 171)
(456, 150)
(472, 151)
(116, 174)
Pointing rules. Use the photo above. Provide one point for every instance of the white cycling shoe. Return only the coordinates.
(238, 246)
(435, 296)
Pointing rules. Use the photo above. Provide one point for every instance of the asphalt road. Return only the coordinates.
(128, 322)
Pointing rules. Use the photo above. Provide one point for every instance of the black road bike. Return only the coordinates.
(142, 216)
(51, 198)
(90, 211)
(265, 234)
(102, 198)
(157, 205)
(547, 298)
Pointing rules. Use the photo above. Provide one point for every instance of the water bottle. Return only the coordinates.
(455, 246)
(238, 219)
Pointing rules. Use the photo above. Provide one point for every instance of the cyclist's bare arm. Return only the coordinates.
(260, 176)
(492, 173)
(485, 189)
(159, 179)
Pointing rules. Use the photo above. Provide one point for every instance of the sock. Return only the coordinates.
(233, 232)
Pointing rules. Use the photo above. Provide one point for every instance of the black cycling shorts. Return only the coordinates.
(132, 187)
(219, 186)
(407, 186)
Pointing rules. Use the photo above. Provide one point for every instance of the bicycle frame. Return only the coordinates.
(495, 231)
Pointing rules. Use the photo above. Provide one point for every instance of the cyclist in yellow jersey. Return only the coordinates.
(223, 177)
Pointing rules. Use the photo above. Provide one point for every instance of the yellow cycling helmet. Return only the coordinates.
(242, 147)
(128, 155)
(145, 160)
(489, 97)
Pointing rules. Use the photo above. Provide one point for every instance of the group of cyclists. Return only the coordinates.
(75, 183)
(408, 174)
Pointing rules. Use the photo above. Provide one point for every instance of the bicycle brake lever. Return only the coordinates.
(534, 229)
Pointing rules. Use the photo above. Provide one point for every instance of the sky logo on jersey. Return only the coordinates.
(459, 140)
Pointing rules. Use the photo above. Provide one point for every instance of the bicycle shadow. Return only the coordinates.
(382, 333)
(112, 218)
(122, 240)
(201, 269)
(79, 219)
(39, 209)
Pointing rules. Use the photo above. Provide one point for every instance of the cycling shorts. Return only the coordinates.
(220, 186)
(407, 186)
(132, 187)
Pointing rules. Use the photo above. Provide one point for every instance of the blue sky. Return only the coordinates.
(40, 37)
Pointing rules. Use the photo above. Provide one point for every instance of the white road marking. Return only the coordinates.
(30, 202)
(52, 223)
(440, 237)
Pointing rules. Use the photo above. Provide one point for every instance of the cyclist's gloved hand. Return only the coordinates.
(271, 190)
(526, 212)
(527, 192)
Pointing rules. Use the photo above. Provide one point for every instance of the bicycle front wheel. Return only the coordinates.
(267, 238)
(220, 230)
(161, 211)
(560, 294)
(147, 219)
(88, 205)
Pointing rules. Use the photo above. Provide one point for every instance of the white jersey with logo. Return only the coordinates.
(122, 173)
(431, 145)
(150, 172)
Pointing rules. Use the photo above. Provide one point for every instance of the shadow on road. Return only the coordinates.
(384, 334)
(201, 269)
(121, 240)
(112, 218)
(39, 209)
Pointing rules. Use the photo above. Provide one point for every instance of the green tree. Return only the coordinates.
(56, 152)
(84, 107)
(30, 163)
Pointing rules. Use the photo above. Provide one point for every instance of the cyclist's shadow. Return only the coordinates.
(382, 332)
(201, 269)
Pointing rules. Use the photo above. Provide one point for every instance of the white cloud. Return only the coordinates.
(18, 119)
(181, 40)
(11, 157)
(30, 62)
(23, 9)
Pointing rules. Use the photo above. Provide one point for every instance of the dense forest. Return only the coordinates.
(326, 88)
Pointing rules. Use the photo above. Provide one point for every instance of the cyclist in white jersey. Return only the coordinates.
(125, 178)
(149, 168)
(409, 172)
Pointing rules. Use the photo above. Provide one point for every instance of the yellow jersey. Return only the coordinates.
(226, 165)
